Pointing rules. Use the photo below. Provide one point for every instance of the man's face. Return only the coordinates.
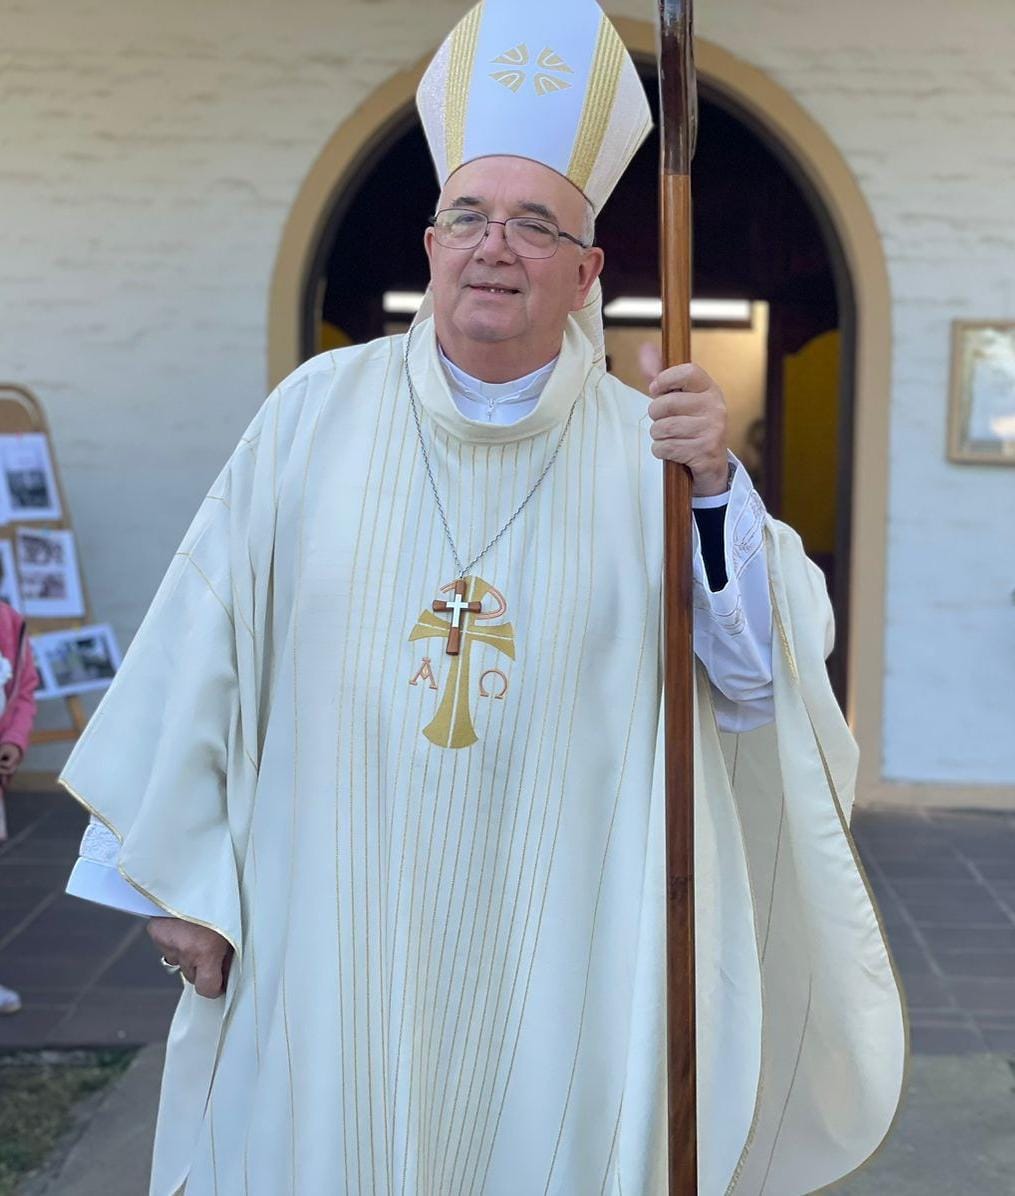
(489, 295)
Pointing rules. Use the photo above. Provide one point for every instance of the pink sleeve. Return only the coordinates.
(21, 712)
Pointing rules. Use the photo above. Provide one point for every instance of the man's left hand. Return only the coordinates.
(688, 414)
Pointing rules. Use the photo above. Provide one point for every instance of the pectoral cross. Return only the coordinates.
(458, 607)
(452, 725)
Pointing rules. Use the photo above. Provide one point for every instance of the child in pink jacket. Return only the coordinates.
(18, 683)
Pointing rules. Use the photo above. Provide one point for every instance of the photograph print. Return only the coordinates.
(48, 570)
(29, 484)
(76, 661)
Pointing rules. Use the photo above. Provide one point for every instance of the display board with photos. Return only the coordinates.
(40, 573)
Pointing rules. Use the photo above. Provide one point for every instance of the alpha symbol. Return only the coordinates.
(425, 674)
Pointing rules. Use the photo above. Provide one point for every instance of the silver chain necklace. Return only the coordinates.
(463, 570)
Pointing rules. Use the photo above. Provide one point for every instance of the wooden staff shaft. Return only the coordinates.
(677, 111)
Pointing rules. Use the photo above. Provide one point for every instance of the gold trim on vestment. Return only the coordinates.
(464, 40)
(604, 80)
(896, 974)
(862, 872)
(172, 913)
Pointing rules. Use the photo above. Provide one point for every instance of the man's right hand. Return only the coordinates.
(204, 956)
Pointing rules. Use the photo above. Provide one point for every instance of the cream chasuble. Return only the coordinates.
(442, 875)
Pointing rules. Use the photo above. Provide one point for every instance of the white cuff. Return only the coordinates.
(705, 502)
(102, 884)
(733, 626)
(95, 876)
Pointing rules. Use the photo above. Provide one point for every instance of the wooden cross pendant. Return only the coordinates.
(457, 607)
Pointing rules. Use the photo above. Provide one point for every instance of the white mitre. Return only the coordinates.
(548, 80)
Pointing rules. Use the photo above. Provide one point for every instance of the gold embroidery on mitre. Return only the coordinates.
(544, 84)
(519, 56)
(604, 82)
(512, 80)
(550, 60)
(452, 725)
(464, 40)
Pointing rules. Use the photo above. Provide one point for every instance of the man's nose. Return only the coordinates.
(494, 245)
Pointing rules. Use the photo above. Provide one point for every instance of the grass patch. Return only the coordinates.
(38, 1092)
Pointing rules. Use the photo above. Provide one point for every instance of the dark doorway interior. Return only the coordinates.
(760, 234)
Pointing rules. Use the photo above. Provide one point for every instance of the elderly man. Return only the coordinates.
(380, 760)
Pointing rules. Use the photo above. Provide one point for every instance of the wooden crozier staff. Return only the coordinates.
(678, 120)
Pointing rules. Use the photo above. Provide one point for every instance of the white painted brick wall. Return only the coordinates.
(149, 156)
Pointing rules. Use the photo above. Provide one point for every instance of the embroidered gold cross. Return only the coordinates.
(452, 725)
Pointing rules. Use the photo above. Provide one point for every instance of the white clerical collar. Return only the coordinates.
(576, 367)
(495, 402)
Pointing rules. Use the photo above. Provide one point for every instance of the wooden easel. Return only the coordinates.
(20, 412)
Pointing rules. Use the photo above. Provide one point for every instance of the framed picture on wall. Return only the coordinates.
(47, 568)
(28, 482)
(981, 417)
(76, 661)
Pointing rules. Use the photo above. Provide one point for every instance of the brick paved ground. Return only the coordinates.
(945, 882)
(87, 975)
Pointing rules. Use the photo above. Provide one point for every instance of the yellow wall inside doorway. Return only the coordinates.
(810, 441)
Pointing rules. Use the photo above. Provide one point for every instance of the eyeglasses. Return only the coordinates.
(526, 236)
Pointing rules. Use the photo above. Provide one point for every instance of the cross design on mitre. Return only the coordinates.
(548, 60)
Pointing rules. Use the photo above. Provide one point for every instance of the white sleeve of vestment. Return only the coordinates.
(733, 626)
(95, 876)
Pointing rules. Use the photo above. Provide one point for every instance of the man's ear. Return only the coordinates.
(589, 269)
(428, 245)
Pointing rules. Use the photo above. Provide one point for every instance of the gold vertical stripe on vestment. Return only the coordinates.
(420, 564)
(403, 541)
(537, 771)
(555, 770)
(424, 568)
(292, 1089)
(604, 80)
(635, 689)
(464, 40)
(442, 447)
(478, 757)
(537, 790)
(253, 961)
(294, 797)
(444, 981)
(440, 1080)
(344, 702)
(793, 1079)
(357, 745)
(464, 520)
(613, 1150)
(499, 801)
(545, 596)
(477, 1050)
(211, 1144)
(373, 959)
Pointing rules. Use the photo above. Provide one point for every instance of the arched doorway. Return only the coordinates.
(818, 282)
